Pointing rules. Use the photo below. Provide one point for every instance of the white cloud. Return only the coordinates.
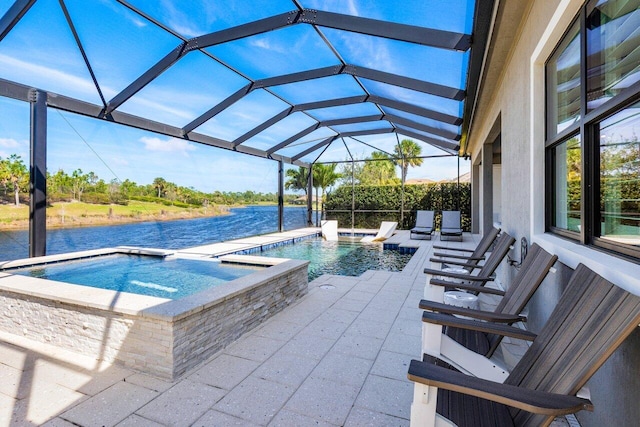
(62, 79)
(172, 145)
(9, 143)
(263, 43)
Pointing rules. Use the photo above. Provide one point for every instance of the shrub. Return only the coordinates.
(383, 203)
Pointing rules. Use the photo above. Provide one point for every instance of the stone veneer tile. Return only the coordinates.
(225, 371)
(324, 400)
(110, 406)
(389, 396)
(182, 404)
(255, 400)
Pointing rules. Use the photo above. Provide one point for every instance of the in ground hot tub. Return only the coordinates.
(150, 333)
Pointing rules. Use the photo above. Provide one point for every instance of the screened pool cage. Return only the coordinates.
(299, 82)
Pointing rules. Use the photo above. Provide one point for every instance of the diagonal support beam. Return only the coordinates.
(227, 102)
(285, 79)
(390, 30)
(139, 83)
(351, 120)
(253, 132)
(294, 138)
(424, 128)
(444, 145)
(406, 82)
(414, 109)
(367, 132)
(245, 30)
(13, 16)
(314, 148)
(330, 103)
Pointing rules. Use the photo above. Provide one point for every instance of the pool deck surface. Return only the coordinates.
(338, 356)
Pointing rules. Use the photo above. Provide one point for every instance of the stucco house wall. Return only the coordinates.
(512, 96)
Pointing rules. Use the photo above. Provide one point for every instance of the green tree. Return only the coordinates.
(79, 182)
(324, 176)
(13, 171)
(379, 170)
(297, 179)
(160, 185)
(408, 155)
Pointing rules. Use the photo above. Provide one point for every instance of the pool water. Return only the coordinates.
(345, 258)
(168, 277)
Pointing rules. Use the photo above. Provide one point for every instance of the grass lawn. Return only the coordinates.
(79, 213)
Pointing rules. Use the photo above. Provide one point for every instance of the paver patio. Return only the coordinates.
(339, 356)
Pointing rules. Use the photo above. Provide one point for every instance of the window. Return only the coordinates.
(620, 177)
(593, 126)
(567, 184)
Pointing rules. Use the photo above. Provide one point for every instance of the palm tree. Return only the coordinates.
(297, 179)
(324, 176)
(407, 153)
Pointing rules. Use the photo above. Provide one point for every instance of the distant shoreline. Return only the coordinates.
(58, 219)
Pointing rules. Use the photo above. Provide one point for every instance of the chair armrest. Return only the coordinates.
(488, 316)
(475, 325)
(453, 249)
(534, 401)
(467, 286)
(470, 258)
(457, 263)
(456, 276)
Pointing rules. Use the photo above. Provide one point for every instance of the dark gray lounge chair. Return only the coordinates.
(592, 318)
(424, 225)
(474, 256)
(485, 271)
(450, 225)
(533, 270)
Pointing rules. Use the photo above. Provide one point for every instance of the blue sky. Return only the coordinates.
(121, 45)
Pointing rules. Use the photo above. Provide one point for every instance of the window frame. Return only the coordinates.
(587, 128)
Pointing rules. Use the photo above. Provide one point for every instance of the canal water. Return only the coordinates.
(242, 222)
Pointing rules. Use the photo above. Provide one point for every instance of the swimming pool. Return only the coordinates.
(157, 276)
(344, 257)
(156, 335)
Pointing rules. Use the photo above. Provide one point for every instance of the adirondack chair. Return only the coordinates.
(450, 226)
(485, 271)
(473, 256)
(592, 318)
(460, 341)
(424, 225)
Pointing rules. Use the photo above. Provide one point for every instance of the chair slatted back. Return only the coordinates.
(533, 270)
(591, 320)
(485, 243)
(503, 244)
